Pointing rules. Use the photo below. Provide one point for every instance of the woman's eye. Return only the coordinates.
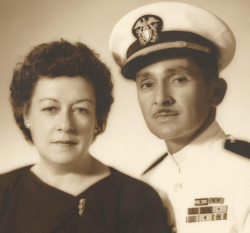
(49, 109)
(82, 110)
(146, 85)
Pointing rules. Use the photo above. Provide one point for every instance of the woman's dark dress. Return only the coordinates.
(115, 204)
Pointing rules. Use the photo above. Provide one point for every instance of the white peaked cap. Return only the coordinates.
(175, 16)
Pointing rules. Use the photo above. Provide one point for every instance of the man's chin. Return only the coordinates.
(164, 134)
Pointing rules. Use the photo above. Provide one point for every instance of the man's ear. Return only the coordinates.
(219, 91)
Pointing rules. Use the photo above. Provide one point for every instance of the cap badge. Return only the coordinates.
(146, 29)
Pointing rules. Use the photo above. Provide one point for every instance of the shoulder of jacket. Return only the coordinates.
(155, 163)
(237, 146)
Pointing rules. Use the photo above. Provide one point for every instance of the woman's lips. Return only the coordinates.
(65, 143)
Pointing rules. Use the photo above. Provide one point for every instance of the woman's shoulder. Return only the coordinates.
(9, 178)
(132, 187)
(8, 182)
(140, 207)
(127, 180)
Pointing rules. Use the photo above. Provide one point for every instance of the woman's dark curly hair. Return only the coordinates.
(60, 58)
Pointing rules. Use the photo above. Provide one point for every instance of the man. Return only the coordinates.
(175, 52)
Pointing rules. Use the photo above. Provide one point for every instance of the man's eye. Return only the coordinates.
(146, 85)
(179, 80)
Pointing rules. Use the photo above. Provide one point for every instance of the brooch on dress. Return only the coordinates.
(81, 205)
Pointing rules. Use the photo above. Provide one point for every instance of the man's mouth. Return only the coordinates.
(165, 113)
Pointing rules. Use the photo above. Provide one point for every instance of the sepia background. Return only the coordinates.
(127, 144)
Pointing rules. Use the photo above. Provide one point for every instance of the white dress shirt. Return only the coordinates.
(213, 178)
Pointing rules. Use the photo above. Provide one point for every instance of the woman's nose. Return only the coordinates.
(65, 122)
(163, 96)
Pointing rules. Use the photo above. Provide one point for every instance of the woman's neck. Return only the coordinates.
(71, 179)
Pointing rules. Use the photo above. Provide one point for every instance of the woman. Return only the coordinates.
(61, 97)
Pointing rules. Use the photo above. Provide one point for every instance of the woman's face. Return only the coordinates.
(62, 119)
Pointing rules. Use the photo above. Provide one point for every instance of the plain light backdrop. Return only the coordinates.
(127, 144)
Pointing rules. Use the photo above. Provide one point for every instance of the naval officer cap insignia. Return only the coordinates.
(161, 30)
(146, 29)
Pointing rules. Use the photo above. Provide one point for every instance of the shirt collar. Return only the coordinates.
(212, 136)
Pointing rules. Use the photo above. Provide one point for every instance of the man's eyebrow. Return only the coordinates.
(143, 75)
(168, 70)
(177, 69)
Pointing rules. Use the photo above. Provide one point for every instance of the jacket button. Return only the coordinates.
(177, 187)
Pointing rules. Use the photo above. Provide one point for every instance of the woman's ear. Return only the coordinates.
(96, 128)
(26, 121)
(26, 118)
(96, 131)
(219, 91)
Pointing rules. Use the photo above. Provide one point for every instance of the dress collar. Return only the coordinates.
(212, 136)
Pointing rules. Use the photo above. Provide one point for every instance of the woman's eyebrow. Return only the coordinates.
(84, 100)
(78, 101)
(47, 99)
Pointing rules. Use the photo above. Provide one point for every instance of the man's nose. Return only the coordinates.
(163, 96)
(65, 121)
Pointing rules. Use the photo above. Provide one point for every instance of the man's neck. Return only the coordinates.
(176, 144)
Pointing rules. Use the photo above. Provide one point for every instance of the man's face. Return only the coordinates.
(174, 97)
